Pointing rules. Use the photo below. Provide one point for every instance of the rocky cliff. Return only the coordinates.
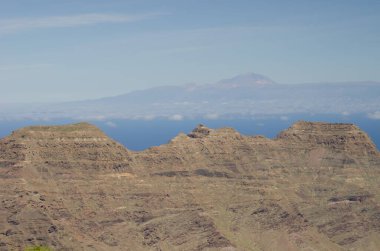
(314, 187)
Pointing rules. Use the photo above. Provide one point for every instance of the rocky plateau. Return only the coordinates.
(313, 187)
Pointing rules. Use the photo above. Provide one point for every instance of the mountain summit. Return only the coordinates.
(245, 80)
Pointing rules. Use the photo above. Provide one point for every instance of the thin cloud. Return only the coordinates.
(17, 67)
(284, 118)
(188, 49)
(111, 124)
(22, 24)
(374, 115)
(211, 116)
(176, 117)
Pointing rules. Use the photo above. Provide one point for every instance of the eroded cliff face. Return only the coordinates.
(79, 146)
(315, 186)
(305, 144)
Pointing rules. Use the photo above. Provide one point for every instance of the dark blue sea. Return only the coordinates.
(140, 134)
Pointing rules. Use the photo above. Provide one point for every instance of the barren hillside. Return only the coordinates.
(314, 187)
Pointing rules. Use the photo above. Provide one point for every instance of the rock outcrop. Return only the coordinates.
(72, 146)
(73, 188)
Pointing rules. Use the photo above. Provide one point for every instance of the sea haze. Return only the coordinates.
(244, 96)
(253, 104)
(142, 134)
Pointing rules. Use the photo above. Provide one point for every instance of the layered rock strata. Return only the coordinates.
(315, 186)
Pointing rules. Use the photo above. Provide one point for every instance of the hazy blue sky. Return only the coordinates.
(76, 49)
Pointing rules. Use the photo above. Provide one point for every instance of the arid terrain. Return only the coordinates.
(314, 187)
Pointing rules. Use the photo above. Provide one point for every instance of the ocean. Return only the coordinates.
(141, 134)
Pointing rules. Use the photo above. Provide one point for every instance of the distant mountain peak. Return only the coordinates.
(245, 80)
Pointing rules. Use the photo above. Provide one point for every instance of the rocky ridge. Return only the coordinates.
(73, 188)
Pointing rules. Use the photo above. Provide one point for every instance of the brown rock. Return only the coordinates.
(72, 188)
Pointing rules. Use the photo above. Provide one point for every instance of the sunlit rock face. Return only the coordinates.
(314, 187)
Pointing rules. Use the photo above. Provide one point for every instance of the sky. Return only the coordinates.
(85, 49)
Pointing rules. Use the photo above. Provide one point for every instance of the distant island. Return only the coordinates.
(244, 96)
